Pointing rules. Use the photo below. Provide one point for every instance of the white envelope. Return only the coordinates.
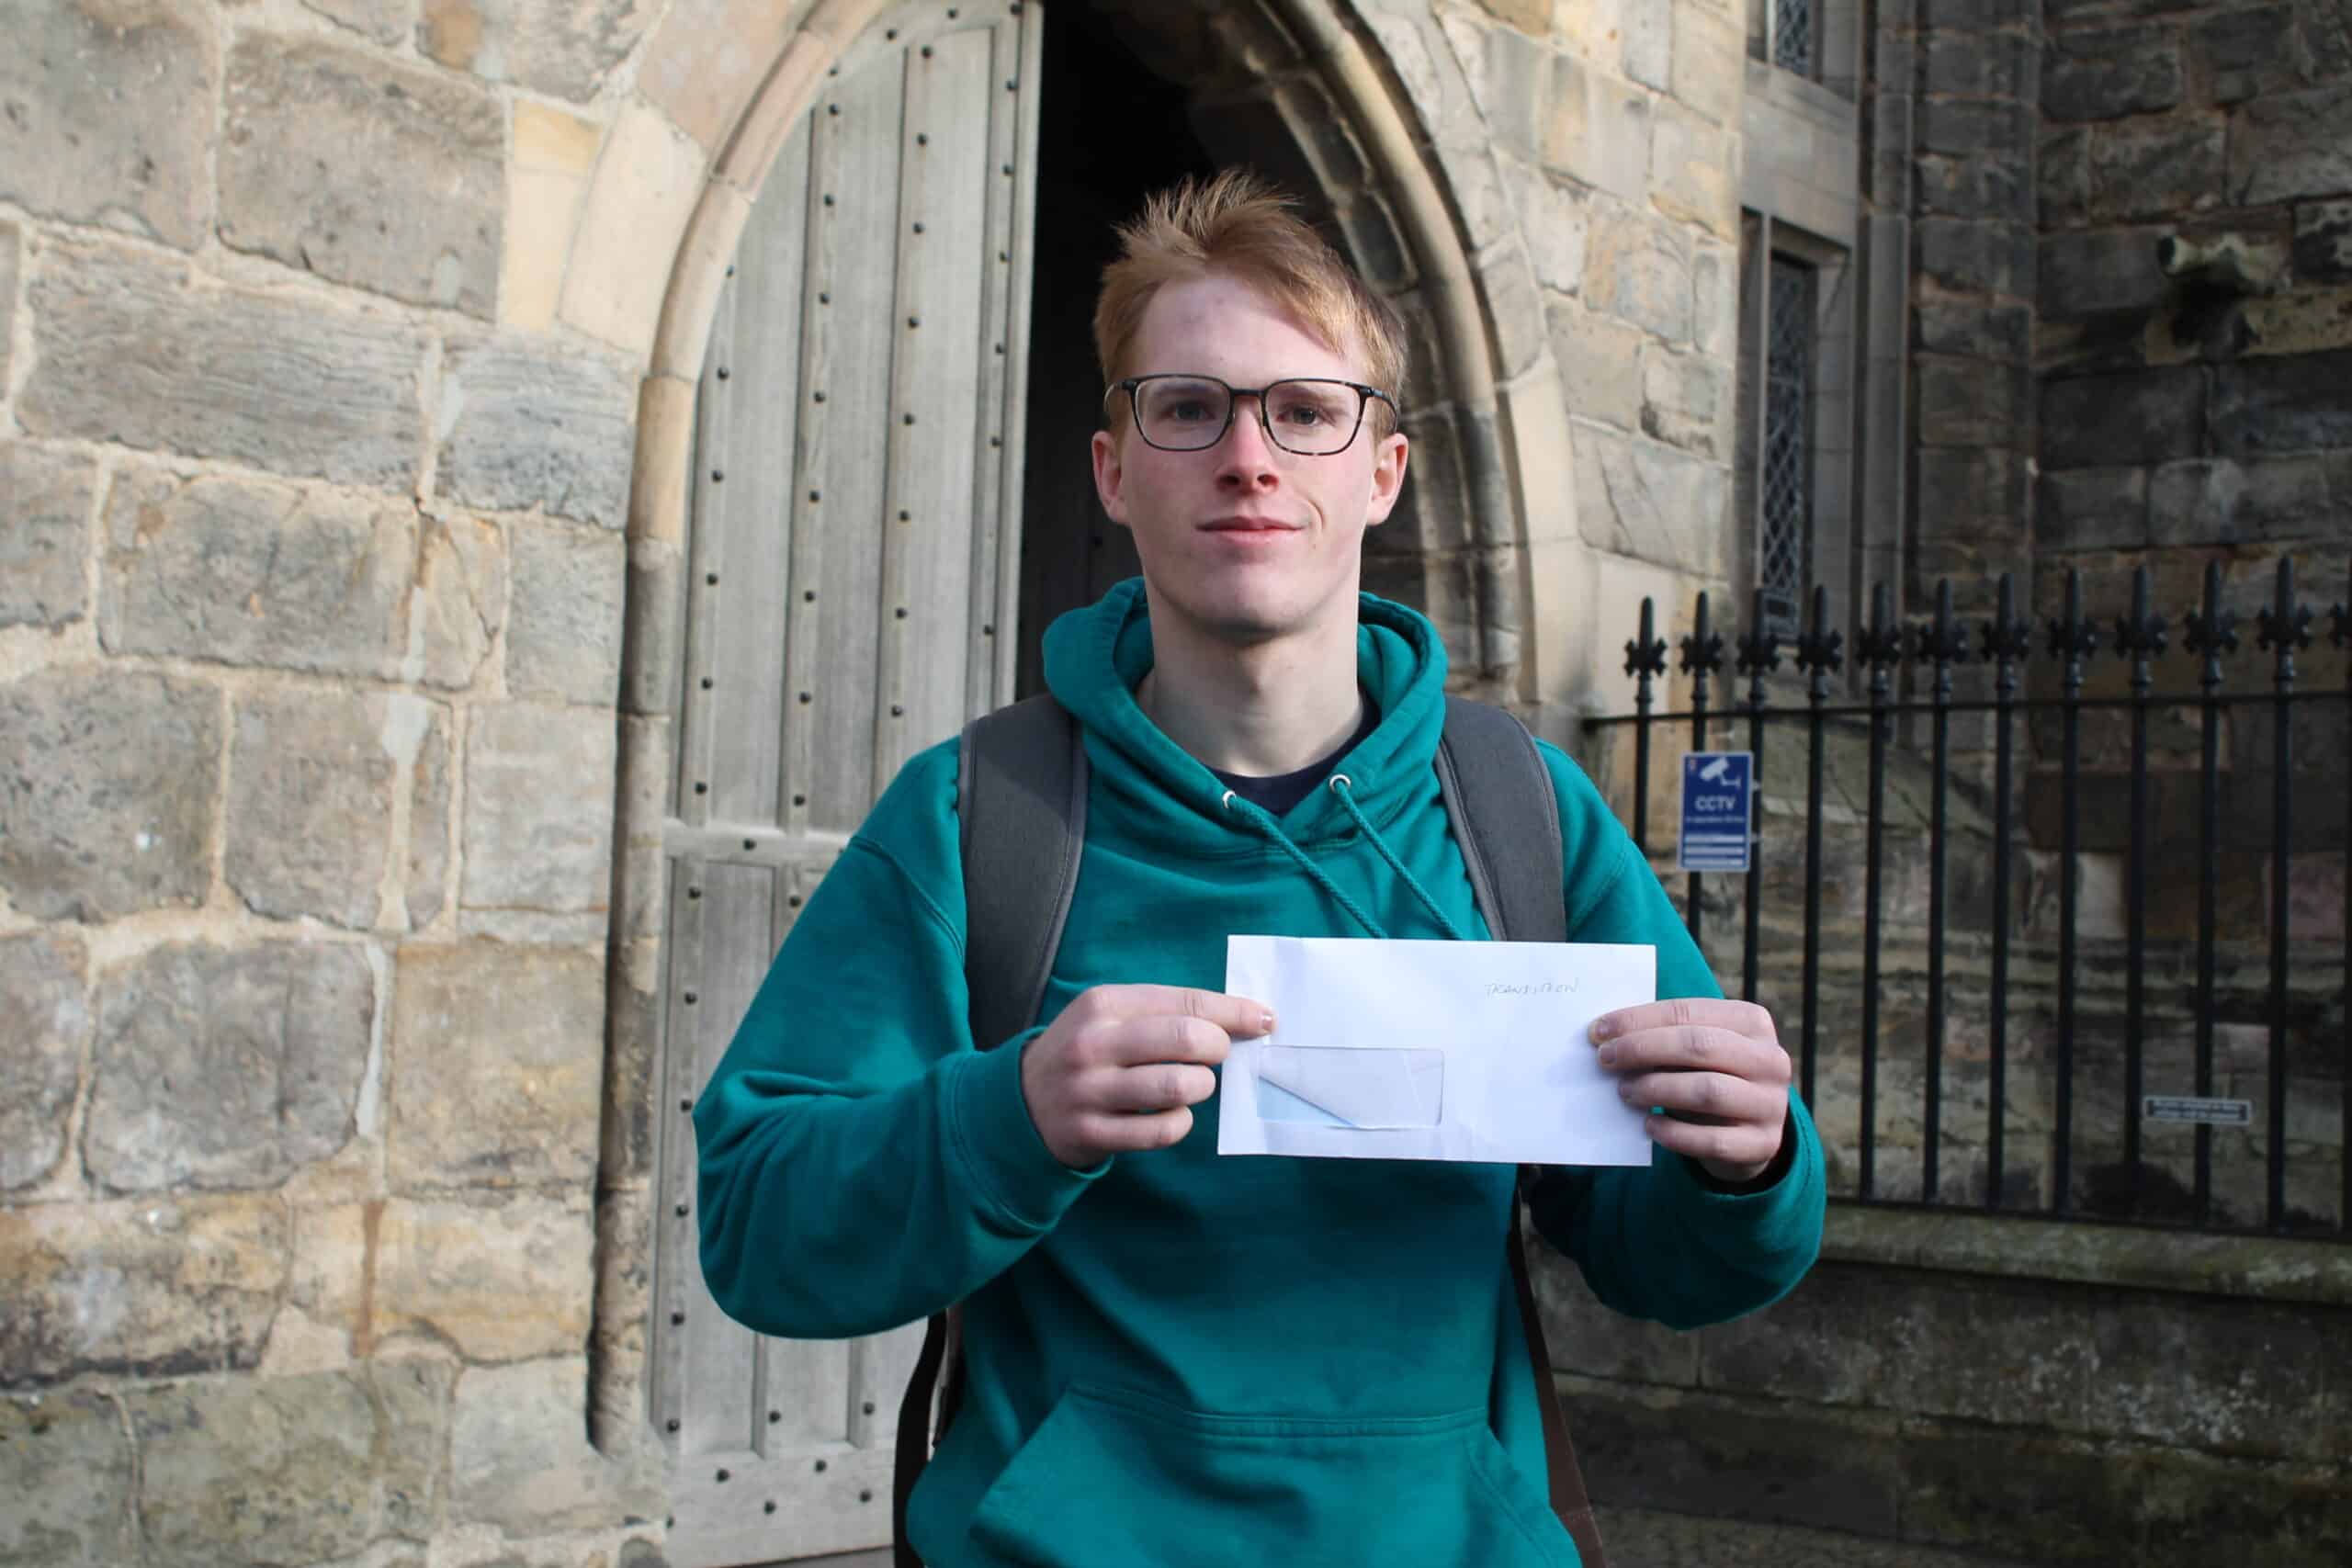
(1431, 1050)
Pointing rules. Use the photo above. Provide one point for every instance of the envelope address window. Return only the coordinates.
(1369, 1087)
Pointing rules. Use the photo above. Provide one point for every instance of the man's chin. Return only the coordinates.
(1245, 615)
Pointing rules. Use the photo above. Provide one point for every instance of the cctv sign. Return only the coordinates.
(1718, 799)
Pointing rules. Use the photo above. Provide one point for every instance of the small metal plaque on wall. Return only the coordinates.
(2189, 1108)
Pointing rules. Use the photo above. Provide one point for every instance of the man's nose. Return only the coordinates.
(1246, 455)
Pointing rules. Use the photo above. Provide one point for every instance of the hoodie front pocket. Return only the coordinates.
(1121, 1478)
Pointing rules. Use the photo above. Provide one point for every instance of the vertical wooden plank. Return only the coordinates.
(928, 577)
(813, 422)
(751, 491)
(992, 266)
(677, 1269)
(705, 560)
(908, 403)
(996, 649)
(880, 1368)
(857, 211)
(720, 1412)
(805, 1385)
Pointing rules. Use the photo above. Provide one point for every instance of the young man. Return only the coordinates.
(1171, 1357)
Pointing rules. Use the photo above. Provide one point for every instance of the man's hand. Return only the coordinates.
(1717, 1070)
(1120, 1068)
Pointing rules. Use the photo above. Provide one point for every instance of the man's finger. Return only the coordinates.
(1697, 1048)
(1131, 1134)
(1158, 1086)
(1165, 1037)
(1238, 1016)
(1716, 1096)
(1742, 1147)
(1703, 1012)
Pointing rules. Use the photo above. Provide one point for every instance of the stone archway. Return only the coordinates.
(673, 191)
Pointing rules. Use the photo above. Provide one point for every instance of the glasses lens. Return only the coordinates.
(1314, 417)
(1182, 412)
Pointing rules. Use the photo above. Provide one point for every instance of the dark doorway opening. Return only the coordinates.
(1110, 132)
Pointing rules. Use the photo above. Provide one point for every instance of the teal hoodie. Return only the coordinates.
(1174, 1358)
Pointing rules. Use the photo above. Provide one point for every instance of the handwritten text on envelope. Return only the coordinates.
(1431, 1050)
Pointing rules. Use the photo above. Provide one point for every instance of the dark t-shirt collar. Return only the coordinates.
(1277, 794)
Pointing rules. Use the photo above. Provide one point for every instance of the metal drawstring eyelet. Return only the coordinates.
(1226, 800)
(1338, 780)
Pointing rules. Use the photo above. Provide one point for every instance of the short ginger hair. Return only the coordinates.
(1243, 226)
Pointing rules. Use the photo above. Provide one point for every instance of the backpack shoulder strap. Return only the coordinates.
(1499, 797)
(1021, 824)
(1506, 817)
(1021, 813)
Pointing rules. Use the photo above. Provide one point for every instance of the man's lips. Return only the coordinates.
(1249, 526)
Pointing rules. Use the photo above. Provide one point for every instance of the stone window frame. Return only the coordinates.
(1801, 192)
(1832, 439)
(1791, 344)
(1837, 43)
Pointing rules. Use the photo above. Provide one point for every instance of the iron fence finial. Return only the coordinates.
(1942, 641)
(1821, 651)
(1703, 649)
(2073, 636)
(2213, 631)
(2143, 634)
(1645, 653)
(2008, 637)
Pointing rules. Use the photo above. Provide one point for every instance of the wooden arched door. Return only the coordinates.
(854, 575)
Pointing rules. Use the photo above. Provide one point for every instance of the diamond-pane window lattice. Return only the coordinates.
(1782, 560)
(1792, 36)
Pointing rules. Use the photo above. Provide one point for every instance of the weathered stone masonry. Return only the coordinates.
(311, 593)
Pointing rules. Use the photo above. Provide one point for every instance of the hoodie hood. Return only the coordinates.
(1161, 796)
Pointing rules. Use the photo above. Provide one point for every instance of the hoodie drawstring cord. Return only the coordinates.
(1341, 785)
(1344, 787)
(1271, 830)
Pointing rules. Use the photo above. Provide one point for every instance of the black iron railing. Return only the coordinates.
(2056, 1164)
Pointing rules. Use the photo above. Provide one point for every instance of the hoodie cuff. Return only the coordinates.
(997, 1145)
(1779, 1206)
(1783, 1160)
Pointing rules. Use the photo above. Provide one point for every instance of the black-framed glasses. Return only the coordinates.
(1313, 416)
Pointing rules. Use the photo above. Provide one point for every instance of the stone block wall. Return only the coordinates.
(2199, 414)
(1974, 416)
(1612, 133)
(311, 569)
(1944, 1391)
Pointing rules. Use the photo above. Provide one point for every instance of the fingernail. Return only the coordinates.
(1609, 1056)
(1266, 1023)
(1601, 1030)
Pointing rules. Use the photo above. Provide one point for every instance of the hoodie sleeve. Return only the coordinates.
(1665, 1242)
(861, 1164)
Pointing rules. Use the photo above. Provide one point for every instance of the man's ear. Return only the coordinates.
(1110, 477)
(1387, 478)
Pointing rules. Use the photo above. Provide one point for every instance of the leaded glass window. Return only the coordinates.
(1792, 36)
(1784, 557)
